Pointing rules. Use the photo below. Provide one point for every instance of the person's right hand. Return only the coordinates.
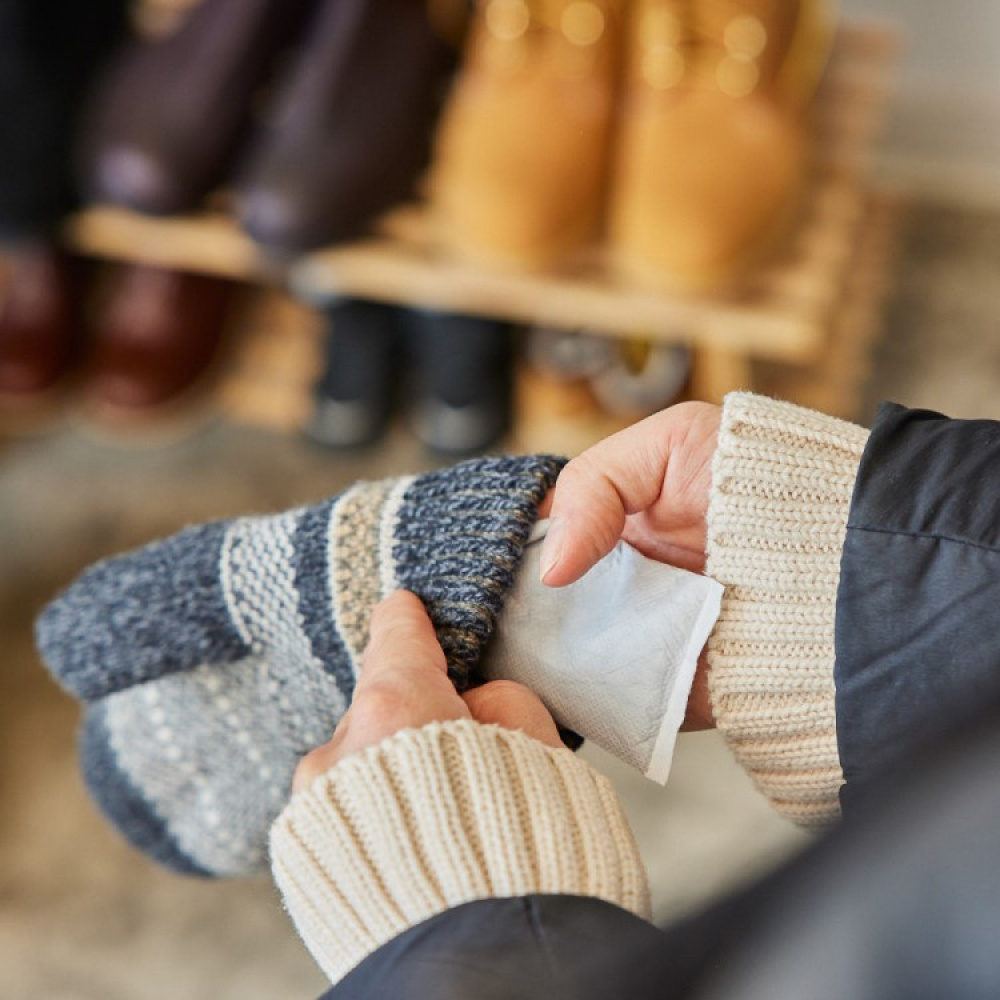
(404, 684)
(647, 484)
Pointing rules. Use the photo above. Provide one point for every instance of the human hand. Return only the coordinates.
(404, 684)
(649, 485)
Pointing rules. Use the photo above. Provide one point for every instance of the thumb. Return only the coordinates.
(513, 706)
(661, 464)
(595, 492)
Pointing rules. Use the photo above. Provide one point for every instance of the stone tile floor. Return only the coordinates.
(82, 917)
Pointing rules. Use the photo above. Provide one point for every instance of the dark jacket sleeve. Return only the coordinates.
(531, 948)
(918, 608)
(896, 904)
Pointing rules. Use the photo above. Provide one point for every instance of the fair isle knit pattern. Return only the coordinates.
(432, 818)
(782, 481)
(209, 662)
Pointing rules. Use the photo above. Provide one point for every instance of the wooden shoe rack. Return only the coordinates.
(801, 328)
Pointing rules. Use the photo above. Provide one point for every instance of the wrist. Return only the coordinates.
(699, 714)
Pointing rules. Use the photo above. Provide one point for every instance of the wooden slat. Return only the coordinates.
(584, 300)
(204, 243)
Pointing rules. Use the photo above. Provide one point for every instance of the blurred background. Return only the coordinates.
(252, 252)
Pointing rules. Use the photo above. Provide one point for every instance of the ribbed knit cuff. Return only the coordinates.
(782, 480)
(434, 817)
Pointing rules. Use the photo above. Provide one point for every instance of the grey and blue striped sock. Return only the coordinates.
(208, 663)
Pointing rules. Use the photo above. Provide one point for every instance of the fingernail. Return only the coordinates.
(551, 548)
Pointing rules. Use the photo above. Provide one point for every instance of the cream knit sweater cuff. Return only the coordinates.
(782, 481)
(431, 818)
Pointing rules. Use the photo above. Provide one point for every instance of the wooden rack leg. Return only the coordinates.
(559, 416)
(716, 371)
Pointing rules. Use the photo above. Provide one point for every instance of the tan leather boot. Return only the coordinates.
(713, 147)
(521, 157)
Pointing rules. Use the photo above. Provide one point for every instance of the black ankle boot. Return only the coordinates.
(353, 400)
(464, 381)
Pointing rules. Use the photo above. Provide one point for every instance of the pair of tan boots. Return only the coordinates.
(672, 130)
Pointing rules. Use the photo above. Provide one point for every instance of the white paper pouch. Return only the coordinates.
(613, 655)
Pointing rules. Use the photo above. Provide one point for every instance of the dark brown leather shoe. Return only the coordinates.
(159, 332)
(39, 320)
(170, 113)
(351, 129)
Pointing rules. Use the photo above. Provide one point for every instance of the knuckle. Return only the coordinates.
(386, 637)
(576, 473)
(397, 606)
(380, 705)
(310, 767)
(505, 689)
(496, 695)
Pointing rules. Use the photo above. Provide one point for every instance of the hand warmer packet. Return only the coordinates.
(612, 656)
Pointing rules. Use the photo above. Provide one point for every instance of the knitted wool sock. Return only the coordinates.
(211, 661)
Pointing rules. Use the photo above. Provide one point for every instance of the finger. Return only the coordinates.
(595, 492)
(403, 683)
(699, 713)
(315, 763)
(545, 507)
(686, 550)
(513, 706)
(401, 637)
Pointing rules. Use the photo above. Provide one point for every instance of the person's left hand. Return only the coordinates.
(649, 486)
(404, 685)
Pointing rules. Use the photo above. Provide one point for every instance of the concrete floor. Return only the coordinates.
(83, 917)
